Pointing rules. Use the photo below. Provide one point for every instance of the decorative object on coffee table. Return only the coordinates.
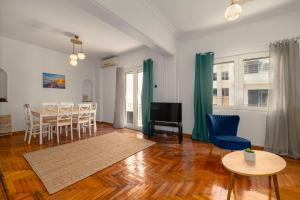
(267, 164)
(249, 155)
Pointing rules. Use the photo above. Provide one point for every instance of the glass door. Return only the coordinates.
(134, 84)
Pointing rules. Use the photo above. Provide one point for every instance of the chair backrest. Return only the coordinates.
(84, 110)
(28, 115)
(222, 124)
(52, 107)
(94, 108)
(64, 113)
(67, 103)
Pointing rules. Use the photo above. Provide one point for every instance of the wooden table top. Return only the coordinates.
(54, 113)
(266, 164)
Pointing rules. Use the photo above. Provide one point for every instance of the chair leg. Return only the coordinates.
(71, 132)
(78, 129)
(26, 132)
(49, 132)
(57, 134)
(211, 149)
(30, 134)
(90, 133)
(222, 154)
(66, 131)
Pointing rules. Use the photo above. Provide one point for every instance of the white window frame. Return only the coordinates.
(238, 61)
(229, 59)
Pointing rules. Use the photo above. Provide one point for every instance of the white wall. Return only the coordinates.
(164, 76)
(25, 63)
(251, 37)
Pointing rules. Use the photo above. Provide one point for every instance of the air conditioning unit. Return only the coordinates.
(110, 62)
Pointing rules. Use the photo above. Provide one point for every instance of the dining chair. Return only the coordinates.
(82, 120)
(33, 126)
(66, 103)
(50, 107)
(93, 116)
(64, 119)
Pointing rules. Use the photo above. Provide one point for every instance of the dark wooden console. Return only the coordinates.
(167, 124)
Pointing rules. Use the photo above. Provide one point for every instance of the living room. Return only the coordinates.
(144, 83)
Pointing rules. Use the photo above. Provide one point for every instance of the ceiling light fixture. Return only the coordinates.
(233, 11)
(74, 57)
(81, 55)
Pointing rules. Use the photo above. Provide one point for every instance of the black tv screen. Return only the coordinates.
(168, 112)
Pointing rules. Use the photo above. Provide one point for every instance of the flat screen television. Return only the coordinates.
(167, 112)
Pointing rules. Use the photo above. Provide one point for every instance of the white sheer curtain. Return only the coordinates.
(283, 119)
(119, 115)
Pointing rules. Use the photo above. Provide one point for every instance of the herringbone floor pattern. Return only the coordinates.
(164, 171)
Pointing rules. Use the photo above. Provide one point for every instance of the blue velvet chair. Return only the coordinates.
(223, 131)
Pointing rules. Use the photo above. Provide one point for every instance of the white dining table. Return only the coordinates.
(41, 114)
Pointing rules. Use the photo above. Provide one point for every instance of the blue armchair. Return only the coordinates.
(223, 131)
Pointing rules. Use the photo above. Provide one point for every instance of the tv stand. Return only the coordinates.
(152, 123)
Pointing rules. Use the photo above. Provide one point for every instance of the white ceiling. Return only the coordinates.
(204, 15)
(46, 22)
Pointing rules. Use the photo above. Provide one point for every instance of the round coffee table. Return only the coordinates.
(266, 164)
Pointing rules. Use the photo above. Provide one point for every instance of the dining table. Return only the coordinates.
(41, 114)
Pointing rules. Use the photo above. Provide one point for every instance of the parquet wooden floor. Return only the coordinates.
(164, 171)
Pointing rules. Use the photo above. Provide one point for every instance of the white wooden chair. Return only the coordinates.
(64, 119)
(93, 117)
(33, 126)
(50, 107)
(83, 119)
(67, 103)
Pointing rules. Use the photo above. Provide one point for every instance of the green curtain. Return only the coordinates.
(202, 94)
(147, 94)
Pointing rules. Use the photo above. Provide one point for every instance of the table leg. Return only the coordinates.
(231, 184)
(276, 186)
(41, 129)
(270, 181)
(95, 125)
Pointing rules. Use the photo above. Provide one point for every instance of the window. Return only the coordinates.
(225, 92)
(215, 92)
(225, 76)
(257, 98)
(254, 66)
(256, 81)
(221, 95)
(215, 77)
(242, 81)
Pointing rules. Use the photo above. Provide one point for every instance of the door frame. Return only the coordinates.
(134, 71)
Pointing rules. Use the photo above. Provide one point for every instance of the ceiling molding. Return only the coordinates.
(158, 15)
(189, 35)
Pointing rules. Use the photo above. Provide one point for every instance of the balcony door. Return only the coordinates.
(134, 84)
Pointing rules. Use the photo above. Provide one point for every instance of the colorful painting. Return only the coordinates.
(54, 81)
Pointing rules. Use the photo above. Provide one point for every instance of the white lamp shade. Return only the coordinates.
(73, 56)
(233, 12)
(73, 62)
(81, 55)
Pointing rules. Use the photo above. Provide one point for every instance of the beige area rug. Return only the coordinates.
(61, 166)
